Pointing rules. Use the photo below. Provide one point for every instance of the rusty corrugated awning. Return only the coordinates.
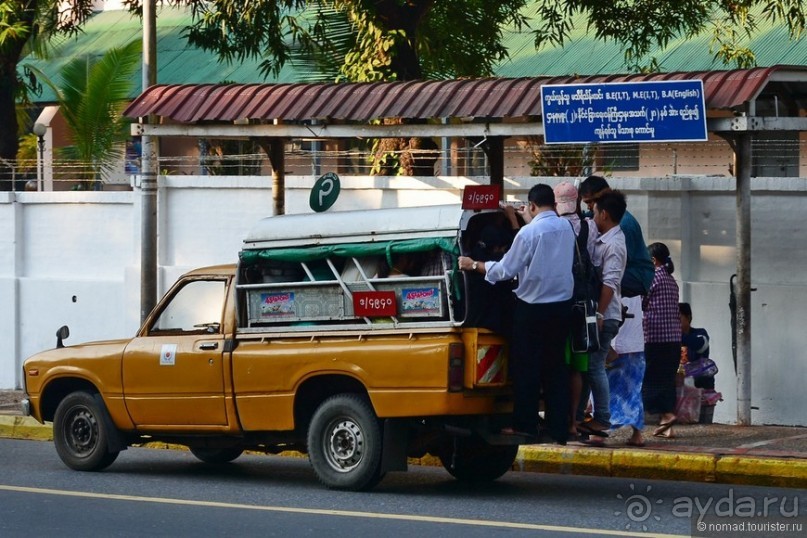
(491, 99)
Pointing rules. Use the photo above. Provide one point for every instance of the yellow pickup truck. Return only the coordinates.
(315, 341)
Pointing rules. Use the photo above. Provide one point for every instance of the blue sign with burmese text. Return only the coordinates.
(664, 111)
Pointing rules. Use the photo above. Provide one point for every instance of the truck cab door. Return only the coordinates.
(173, 370)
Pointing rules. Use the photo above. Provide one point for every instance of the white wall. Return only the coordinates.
(73, 257)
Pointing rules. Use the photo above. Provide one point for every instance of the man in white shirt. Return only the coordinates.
(541, 257)
(610, 257)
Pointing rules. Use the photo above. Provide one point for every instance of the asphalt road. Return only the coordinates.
(149, 492)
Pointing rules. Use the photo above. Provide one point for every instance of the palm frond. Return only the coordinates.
(92, 93)
(322, 38)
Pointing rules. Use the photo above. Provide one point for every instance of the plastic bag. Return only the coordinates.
(711, 397)
(688, 402)
(704, 367)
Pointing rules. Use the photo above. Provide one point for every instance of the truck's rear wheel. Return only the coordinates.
(81, 434)
(345, 442)
(471, 459)
(217, 455)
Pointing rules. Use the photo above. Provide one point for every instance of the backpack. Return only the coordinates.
(587, 281)
(637, 278)
(639, 270)
(585, 337)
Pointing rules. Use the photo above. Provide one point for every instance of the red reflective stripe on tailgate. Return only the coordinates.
(489, 364)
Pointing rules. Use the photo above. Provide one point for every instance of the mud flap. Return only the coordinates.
(117, 441)
(396, 441)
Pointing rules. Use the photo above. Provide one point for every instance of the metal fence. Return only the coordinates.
(779, 157)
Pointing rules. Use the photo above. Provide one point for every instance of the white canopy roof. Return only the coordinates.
(354, 226)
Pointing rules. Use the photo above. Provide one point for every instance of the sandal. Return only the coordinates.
(585, 428)
(666, 434)
(664, 427)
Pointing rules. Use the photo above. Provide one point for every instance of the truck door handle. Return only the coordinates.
(209, 345)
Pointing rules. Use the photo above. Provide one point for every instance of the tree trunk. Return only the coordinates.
(407, 17)
(8, 120)
(9, 58)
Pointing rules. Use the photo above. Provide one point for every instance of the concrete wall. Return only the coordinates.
(73, 258)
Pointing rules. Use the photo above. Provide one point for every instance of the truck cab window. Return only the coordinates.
(196, 307)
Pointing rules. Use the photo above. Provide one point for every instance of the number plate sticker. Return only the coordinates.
(481, 197)
(371, 304)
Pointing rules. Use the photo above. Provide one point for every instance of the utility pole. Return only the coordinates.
(148, 181)
(743, 316)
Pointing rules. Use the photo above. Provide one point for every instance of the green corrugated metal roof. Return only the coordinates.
(177, 62)
(585, 56)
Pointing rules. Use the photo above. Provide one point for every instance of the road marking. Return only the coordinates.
(340, 513)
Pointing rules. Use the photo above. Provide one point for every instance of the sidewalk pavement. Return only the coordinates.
(719, 453)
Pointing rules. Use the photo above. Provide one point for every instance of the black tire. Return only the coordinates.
(474, 460)
(217, 455)
(345, 443)
(81, 434)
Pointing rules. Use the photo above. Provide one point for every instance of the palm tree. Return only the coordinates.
(92, 94)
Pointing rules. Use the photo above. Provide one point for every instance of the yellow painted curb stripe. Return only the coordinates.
(341, 513)
(19, 427)
(556, 459)
(662, 465)
(791, 473)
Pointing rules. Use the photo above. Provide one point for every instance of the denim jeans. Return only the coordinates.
(596, 379)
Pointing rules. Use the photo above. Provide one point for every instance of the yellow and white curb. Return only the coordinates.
(19, 427)
(664, 465)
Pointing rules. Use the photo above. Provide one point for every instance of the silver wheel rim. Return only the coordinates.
(344, 445)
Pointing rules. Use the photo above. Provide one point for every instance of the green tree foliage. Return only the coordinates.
(370, 39)
(411, 39)
(22, 25)
(92, 93)
(639, 25)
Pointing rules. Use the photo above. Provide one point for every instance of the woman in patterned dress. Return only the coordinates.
(662, 339)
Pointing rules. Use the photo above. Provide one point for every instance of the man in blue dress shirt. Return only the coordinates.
(541, 258)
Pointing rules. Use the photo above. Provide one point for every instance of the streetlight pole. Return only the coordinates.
(40, 130)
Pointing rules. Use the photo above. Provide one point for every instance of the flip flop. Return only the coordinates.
(663, 427)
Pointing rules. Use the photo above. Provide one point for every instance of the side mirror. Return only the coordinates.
(62, 334)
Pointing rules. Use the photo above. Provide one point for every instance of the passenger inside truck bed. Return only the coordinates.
(490, 306)
(507, 221)
(403, 264)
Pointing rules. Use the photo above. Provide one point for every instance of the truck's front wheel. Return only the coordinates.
(81, 434)
(471, 459)
(345, 442)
